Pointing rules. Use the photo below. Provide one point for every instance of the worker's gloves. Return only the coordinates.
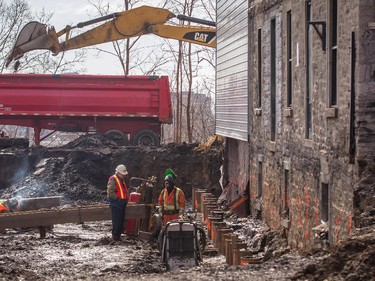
(181, 214)
(159, 211)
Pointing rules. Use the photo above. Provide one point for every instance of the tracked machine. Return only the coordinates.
(181, 244)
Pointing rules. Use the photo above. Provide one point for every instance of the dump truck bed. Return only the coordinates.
(122, 105)
(85, 95)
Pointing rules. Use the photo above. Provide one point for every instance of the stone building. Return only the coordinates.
(296, 103)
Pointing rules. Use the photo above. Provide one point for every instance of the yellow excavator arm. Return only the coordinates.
(122, 25)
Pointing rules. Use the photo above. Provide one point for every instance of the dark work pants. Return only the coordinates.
(118, 218)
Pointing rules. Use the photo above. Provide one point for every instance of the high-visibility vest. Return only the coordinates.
(170, 203)
(121, 188)
(3, 209)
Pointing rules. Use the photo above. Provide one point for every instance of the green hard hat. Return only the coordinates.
(169, 172)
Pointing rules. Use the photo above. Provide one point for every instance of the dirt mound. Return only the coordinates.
(352, 260)
(79, 171)
(364, 202)
(14, 143)
(78, 176)
(91, 141)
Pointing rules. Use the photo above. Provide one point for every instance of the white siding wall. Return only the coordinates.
(232, 69)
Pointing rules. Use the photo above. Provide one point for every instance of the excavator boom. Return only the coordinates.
(127, 24)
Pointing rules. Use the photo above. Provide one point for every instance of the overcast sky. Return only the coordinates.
(72, 12)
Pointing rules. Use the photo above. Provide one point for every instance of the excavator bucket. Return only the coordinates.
(33, 36)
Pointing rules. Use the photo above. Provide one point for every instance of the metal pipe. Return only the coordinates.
(196, 20)
(28, 204)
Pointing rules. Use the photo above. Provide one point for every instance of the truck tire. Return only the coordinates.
(117, 136)
(146, 138)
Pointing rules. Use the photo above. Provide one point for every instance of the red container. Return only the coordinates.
(131, 227)
(85, 103)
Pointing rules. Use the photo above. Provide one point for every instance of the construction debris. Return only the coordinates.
(212, 141)
(83, 250)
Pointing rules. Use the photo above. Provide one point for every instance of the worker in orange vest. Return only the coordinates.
(171, 200)
(3, 207)
(117, 193)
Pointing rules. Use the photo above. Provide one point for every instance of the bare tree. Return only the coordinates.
(186, 64)
(13, 17)
(131, 55)
(192, 62)
(189, 76)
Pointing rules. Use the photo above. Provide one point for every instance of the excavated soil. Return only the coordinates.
(78, 172)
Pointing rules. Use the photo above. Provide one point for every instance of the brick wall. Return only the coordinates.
(291, 178)
(325, 158)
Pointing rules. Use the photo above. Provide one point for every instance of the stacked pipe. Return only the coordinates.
(221, 235)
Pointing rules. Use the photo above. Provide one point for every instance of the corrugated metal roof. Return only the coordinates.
(232, 69)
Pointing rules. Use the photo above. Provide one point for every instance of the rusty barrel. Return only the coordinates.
(198, 199)
(196, 194)
(203, 203)
(228, 249)
(238, 254)
(218, 237)
(207, 195)
(210, 221)
(235, 253)
(218, 213)
(207, 211)
(205, 207)
(224, 236)
(215, 227)
(203, 196)
(225, 239)
(236, 245)
(250, 260)
(232, 245)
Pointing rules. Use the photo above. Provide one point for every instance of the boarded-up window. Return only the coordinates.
(273, 79)
(289, 88)
(324, 205)
(308, 119)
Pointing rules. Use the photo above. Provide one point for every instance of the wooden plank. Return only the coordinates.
(69, 215)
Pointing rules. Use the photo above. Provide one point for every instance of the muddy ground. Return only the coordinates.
(79, 171)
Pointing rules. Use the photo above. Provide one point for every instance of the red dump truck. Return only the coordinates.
(130, 108)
